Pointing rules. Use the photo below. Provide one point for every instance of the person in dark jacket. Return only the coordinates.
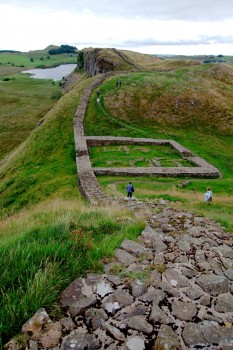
(130, 190)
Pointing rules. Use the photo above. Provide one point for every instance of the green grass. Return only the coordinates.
(40, 58)
(51, 246)
(136, 156)
(23, 102)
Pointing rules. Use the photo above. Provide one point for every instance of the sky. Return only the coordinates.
(181, 27)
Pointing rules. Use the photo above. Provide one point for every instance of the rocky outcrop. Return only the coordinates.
(173, 290)
(94, 64)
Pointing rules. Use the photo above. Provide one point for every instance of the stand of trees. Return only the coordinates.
(63, 49)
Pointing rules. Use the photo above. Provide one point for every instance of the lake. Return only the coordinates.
(56, 73)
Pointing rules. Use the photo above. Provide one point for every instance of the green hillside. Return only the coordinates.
(48, 234)
(35, 59)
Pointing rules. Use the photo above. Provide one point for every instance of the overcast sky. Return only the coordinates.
(148, 26)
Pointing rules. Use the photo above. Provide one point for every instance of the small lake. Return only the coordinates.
(56, 73)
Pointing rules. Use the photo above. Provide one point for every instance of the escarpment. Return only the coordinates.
(98, 61)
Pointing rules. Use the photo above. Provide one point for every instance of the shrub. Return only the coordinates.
(56, 95)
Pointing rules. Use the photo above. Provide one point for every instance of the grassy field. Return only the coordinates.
(35, 59)
(146, 106)
(136, 156)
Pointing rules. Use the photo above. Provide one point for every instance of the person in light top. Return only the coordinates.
(208, 195)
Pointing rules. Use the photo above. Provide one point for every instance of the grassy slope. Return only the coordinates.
(57, 237)
(159, 105)
(23, 101)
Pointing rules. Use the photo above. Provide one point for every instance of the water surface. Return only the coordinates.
(56, 73)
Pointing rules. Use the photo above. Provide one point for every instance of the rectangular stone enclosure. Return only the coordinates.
(202, 168)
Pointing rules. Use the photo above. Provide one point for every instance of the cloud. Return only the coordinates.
(38, 24)
(195, 10)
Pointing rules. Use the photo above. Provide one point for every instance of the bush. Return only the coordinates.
(56, 95)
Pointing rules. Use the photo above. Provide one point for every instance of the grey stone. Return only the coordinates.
(140, 324)
(95, 317)
(227, 263)
(138, 288)
(116, 333)
(167, 339)
(67, 324)
(211, 242)
(195, 231)
(199, 256)
(103, 338)
(158, 244)
(167, 228)
(72, 293)
(155, 296)
(135, 343)
(229, 273)
(78, 340)
(207, 333)
(225, 250)
(114, 279)
(168, 289)
(50, 337)
(158, 315)
(33, 326)
(134, 309)
(175, 279)
(116, 301)
(136, 268)
(136, 249)
(182, 259)
(159, 259)
(81, 305)
(224, 303)
(205, 300)
(124, 257)
(204, 266)
(194, 292)
(148, 232)
(184, 246)
(213, 284)
(190, 273)
(103, 288)
(155, 278)
(215, 267)
(185, 311)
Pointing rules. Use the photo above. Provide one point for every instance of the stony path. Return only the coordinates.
(170, 290)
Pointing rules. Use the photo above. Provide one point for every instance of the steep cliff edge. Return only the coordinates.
(98, 61)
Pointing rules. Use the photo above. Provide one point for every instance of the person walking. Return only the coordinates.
(208, 195)
(130, 190)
